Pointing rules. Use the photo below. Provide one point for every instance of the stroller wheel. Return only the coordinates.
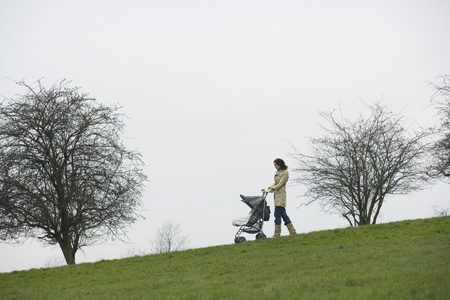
(260, 236)
(239, 239)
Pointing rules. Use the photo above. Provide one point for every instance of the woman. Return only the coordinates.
(279, 190)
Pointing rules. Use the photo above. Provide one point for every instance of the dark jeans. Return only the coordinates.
(280, 212)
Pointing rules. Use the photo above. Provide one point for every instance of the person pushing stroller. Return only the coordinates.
(279, 189)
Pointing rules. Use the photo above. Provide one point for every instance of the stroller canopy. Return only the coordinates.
(253, 201)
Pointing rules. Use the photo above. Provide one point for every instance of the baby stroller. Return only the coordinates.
(253, 223)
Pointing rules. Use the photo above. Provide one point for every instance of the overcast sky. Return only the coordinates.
(214, 91)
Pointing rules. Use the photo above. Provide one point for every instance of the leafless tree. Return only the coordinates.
(441, 149)
(355, 165)
(441, 212)
(65, 176)
(169, 238)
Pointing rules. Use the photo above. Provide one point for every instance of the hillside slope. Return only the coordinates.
(401, 260)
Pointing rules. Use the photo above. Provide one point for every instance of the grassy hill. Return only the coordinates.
(402, 260)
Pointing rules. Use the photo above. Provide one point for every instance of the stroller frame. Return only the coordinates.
(260, 212)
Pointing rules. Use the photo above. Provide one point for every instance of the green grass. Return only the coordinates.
(402, 260)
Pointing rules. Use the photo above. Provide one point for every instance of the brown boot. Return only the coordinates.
(277, 231)
(291, 229)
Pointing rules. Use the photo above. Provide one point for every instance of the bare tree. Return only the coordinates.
(356, 164)
(441, 212)
(65, 176)
(441, 149)
(169, 238)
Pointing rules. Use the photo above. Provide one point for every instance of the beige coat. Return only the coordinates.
(279, 187)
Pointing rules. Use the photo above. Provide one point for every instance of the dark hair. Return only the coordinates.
(281, 163)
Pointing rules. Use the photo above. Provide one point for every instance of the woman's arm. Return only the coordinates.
(284, 177)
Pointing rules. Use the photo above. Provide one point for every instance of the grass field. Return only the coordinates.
(401, 260)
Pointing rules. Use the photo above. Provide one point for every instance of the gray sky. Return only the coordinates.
(215, 90)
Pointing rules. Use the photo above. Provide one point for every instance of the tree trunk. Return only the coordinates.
(67, 250)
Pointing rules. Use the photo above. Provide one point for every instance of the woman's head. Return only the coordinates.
(279, 164)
